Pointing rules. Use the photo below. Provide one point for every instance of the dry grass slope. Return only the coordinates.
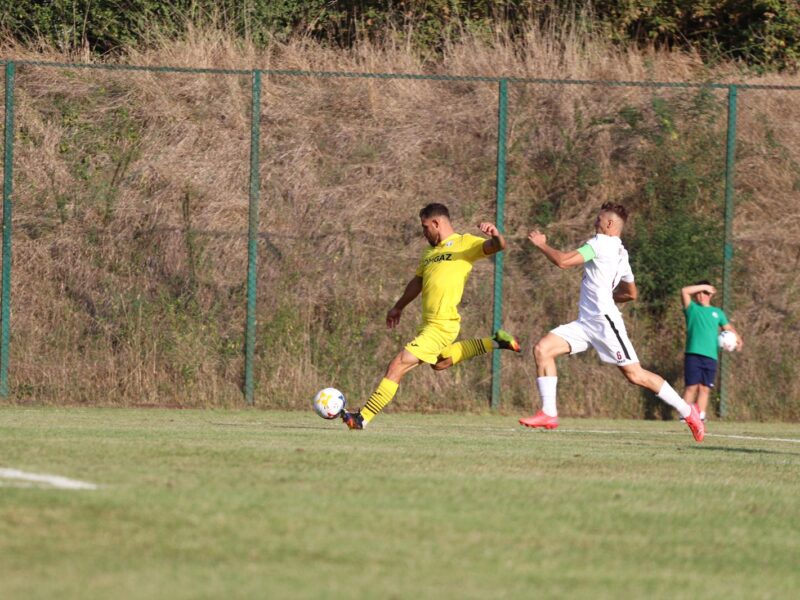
(131, 204)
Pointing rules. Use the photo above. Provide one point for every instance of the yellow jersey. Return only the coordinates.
(444, 270)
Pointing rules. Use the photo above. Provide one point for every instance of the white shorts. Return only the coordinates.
(605, 334)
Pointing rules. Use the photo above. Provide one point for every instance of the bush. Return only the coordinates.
(763, 33)
(678, 228)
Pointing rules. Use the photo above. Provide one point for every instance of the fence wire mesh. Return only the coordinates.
(133, 218)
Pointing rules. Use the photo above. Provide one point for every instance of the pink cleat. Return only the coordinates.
(695, 423)
(541, 420)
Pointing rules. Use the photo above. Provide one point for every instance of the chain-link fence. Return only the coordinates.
(154, 206)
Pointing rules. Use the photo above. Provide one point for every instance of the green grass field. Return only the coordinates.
(234, 504)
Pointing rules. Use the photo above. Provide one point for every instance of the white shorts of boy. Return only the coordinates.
(606, 334)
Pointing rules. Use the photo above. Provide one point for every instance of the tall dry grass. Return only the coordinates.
(130, 220)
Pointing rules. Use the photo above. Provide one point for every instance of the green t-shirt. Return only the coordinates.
(702, 328)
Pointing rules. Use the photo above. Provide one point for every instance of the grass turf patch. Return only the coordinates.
(253, 503)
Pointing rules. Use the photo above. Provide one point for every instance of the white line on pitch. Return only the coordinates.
(718, 435)
(752, 437)
(617, 432)
(56, 481)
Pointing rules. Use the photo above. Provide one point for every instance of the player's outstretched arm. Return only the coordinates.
(690, 290)
(413, 289)
(497, 243)
(563, 260)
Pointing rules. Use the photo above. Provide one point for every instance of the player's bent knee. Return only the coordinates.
(396, 369)
(635, 377)
(400, 365)
(444, 363)
(540, 352)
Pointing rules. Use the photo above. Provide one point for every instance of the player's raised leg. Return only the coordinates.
(545, 352)
(637, 375)
(467, 349)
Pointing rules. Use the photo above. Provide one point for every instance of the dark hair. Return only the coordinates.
(617, 209)
(434, 209)
(702, 282)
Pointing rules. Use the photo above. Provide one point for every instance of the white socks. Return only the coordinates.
(547, 392)
(671, 397)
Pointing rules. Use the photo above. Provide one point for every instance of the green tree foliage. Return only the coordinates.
(101, 25)
(677, 234)
(765, 33)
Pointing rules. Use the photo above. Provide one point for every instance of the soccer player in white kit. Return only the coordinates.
(607, 280)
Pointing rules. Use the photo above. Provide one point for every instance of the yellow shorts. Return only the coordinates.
(432, 338)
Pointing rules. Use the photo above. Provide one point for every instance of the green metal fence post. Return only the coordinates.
(252, 237)
(8, 170)
(497, 313)
(730, 167)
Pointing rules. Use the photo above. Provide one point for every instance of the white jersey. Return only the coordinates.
(601, 275)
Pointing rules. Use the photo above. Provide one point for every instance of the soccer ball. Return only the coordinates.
(727, 340)
(328, 403)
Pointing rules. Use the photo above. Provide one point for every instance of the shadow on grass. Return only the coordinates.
(294, 426)
(268, 425)
(744, 450)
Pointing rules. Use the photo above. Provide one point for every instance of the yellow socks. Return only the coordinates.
(388, 388)
(380, 398)
(467, 349)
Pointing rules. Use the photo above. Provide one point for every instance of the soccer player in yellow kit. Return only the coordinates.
(440, 278)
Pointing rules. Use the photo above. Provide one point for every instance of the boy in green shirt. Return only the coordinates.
(703, 322)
